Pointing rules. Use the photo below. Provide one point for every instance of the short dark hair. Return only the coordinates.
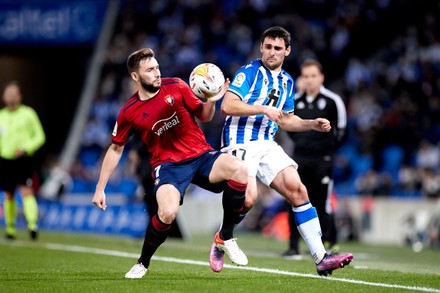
(277, 32)
(136, 57)
(312, 62)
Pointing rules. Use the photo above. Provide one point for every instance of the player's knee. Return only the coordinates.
(251, 198)
(167, 215)
(239, 171)
(248, 204)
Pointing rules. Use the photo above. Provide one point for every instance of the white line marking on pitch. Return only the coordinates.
(74, 248)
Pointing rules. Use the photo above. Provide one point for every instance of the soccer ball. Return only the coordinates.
(206, 80)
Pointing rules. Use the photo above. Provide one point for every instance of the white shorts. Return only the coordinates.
(264, 159)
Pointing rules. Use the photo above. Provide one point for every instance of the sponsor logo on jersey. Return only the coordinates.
(239, 79)
(115, 129)
(165, 124)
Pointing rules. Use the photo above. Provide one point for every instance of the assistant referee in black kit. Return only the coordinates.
(314, 151)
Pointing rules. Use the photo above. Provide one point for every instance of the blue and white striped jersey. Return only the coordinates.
(257, 85)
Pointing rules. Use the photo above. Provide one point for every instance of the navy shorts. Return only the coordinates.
(195, 171)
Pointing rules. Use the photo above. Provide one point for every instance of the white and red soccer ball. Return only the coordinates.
(206, 80)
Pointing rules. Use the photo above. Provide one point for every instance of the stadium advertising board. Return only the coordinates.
(48, 22)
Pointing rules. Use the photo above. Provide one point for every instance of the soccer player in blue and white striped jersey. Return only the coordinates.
(260, 99)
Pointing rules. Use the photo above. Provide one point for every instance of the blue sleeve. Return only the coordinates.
(243, 80)
(289, 105)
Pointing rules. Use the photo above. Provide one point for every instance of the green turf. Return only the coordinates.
(62, 262)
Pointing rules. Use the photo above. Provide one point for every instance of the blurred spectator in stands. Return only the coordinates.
(357, 75)
(428, 156)
(94, 137)
(433, 230)
(342, 169)
(430, 183)
(56, 180)
(367, 183)
(374, 183)
(409, 179)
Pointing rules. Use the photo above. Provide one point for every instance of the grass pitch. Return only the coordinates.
(62, 262)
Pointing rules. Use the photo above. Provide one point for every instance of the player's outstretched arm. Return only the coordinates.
(218, 96)
(208, 108)
(109, 164)
(233, 105)
(293, 123)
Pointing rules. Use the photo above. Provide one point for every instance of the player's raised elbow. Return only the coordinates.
(223, 109)
(290, 122)
(227, 109)
(205, 118)
(230, 104)
(206, 115)
(283, 125)
(286, 123)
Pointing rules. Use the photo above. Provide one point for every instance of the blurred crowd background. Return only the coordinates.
(382, 57)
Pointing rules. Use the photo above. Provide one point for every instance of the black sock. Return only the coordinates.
(155, 235)
(233, 202)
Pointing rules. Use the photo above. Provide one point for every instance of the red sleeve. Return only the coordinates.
(122, 130)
